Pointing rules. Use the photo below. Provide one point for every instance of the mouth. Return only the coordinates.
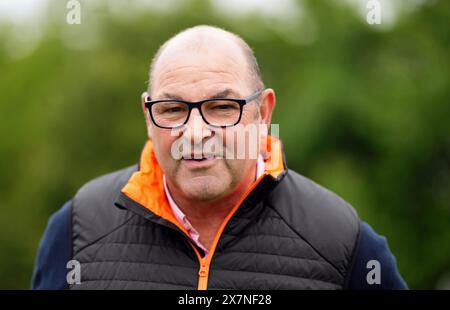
(198, 161)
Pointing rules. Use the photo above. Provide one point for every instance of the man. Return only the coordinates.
(193, 214)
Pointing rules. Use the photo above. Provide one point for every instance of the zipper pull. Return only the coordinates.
(203, 270)
(203, 275)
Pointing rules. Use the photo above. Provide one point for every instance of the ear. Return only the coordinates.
(266, 106)
(148, 121)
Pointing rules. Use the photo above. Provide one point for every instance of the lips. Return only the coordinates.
(198, 157)
(199, 161)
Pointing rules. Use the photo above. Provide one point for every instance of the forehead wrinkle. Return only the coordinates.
(203, 93)
(198, 63)
(172, 76)
(225, 93)
(175, 78)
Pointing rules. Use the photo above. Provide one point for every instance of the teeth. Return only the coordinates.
(195, 157)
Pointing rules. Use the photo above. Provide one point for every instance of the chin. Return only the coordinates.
(204, 188)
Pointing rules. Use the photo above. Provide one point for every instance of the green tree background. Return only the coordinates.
(363, 110)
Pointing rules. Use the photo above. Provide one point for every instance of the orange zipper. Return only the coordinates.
(205, 262)
(203, 275)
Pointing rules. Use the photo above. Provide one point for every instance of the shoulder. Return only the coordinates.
(94, 213)
(318, 201)
(104, 187)
(374, 260)
(54, 252)
(321, 217)
(89, 213)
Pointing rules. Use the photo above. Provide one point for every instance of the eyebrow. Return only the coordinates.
(221, 94)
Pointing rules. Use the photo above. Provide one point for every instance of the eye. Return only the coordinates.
(223, 106)
(169, 108)
(173, 110)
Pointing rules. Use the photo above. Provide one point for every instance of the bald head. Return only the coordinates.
(198, 64)
(212, 45)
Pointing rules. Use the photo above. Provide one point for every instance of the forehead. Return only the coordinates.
(196, 72)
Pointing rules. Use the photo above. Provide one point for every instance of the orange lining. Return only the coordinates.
(146, 187)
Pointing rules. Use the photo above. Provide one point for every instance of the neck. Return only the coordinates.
(207, 216)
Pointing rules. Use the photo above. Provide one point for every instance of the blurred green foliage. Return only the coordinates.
(362, 110)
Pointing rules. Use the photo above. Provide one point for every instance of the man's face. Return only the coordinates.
(195, 76)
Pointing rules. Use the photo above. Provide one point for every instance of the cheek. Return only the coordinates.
(235, 167)
(243, 141)
(162, 144)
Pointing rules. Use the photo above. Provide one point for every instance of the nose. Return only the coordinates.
(196, 128)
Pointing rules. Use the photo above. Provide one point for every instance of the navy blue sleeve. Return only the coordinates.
(373, 247)
(55, 250)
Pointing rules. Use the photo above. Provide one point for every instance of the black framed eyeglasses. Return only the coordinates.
(216, 112)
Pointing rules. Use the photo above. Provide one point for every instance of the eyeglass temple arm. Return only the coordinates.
(254, 96)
